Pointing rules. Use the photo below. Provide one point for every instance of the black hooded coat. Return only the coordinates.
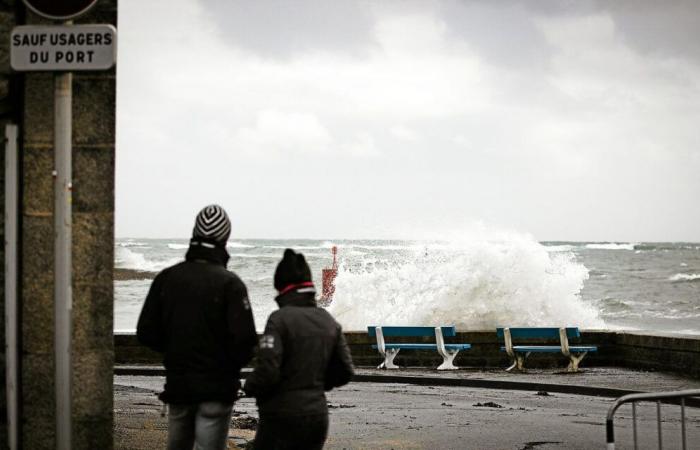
(302, 354)
(198, 315)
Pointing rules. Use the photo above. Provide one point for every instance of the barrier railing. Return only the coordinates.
(654, 396)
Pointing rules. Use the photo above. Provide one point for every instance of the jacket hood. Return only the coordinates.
(202, 249)
(294, 298)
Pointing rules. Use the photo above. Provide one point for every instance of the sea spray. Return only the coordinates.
(127, 258)
(473, 284)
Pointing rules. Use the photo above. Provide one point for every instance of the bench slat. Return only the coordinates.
(447, 331)
(539, 333)
(425, 346)
(550, 349)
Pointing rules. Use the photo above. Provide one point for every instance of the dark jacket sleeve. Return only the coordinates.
(340, 369)
(150, 330)
(266, 374)
(241, 324)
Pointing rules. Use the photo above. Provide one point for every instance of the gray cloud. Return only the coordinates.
(569, 120)
(282, 28)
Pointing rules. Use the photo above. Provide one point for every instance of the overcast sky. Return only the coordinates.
(568, 120)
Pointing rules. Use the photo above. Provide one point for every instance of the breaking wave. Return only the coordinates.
(254, 256)
(511, 280)
(610, 246)
(685, 277)
(231, 244)
(559, 248)
(128, 259)
(132, 244)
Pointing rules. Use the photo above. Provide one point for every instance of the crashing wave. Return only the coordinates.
(610, 246)
(126, 258)
(684, 277)
(512, 280)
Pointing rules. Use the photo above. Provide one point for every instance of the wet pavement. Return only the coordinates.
(596, 378)
(386, 415)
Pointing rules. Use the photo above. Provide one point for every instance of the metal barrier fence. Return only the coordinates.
(657, 397)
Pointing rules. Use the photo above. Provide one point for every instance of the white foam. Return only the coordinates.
(296, 247)
(178, 246)
(232, 244)
(132, 244)
(391, 247)
(473, 284)
(685, 277)
(129, 259)
(610, 246)
(250, 255)
(559, 248)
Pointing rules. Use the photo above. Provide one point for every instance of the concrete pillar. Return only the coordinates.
(93, 245)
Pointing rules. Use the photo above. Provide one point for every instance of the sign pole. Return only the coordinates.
(63, 295)
(11, 326)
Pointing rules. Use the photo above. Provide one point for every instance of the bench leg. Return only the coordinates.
(519, 362)
(389, 356)
(574, 361)
(447, 361)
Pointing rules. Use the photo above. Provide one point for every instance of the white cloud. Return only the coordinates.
(283, 132)
(363, 146)
(403, 133)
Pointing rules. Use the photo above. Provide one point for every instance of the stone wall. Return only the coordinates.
(94, 98)
(659, 352)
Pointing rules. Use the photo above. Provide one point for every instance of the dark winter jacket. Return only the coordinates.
(302, 354)
(198, 315)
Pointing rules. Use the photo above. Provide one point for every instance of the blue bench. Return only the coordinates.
(519, 353)
(389, 351)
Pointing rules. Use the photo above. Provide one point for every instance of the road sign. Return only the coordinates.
(60, 9)
(63, 48)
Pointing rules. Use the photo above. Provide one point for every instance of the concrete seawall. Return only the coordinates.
(633, 350)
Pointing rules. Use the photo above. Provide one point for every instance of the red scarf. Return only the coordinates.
(291, 287)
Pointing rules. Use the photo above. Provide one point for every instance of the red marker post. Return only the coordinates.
(328, 276)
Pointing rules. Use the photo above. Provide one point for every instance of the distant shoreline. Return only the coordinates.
(131, 274)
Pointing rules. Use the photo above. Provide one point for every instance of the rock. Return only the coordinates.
(489, 405)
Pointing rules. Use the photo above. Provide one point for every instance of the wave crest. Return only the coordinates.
(126, 258)
(610, 246)
(685, 277)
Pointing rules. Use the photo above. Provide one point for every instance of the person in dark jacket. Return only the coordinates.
(302, 354)
(198, 315)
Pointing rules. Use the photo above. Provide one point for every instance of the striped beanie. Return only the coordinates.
(212, 223)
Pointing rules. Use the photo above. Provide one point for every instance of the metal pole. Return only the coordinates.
(63, 296)
(11, 367)
(634, 424)
(658, 422)
(684, 441)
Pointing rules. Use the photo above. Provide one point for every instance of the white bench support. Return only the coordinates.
(574, 359)
(388, 354)
(448, 356)
(518, 359)
(518, 362)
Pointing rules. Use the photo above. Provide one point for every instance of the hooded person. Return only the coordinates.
(198, 315)
(302, 354)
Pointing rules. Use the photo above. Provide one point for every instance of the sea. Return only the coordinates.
(474, 283)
